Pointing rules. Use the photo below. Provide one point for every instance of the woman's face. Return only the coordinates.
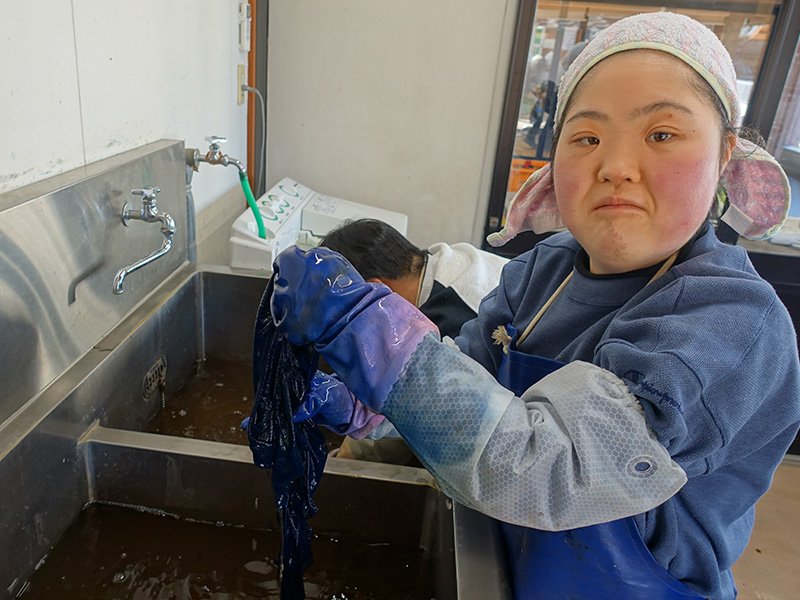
(638, 160)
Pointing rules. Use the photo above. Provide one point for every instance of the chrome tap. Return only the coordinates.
(214, 156)
(148, 214)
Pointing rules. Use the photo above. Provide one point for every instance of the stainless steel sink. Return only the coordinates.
(71, 425)
(80, 442)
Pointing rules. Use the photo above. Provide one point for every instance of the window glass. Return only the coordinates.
(784, 144)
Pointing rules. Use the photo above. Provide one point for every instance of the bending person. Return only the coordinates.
(446, 282)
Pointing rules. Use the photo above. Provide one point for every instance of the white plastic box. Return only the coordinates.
(294, 214)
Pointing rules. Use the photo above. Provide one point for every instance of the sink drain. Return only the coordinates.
(156, 377)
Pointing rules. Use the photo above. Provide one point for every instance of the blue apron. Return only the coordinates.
(609, 561)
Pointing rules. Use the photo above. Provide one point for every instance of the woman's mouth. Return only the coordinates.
(614, 203)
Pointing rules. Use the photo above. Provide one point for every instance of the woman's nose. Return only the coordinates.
(619, 163)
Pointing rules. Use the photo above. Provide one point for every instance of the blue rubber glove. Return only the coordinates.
(314, 289)
(364, 331)
(330, 403)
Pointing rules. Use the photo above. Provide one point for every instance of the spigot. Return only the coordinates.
(149, 214)
(214, 156)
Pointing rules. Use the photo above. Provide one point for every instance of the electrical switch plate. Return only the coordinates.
(244, 26)
(240, 81)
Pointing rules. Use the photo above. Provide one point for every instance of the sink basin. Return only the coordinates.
(80, 441)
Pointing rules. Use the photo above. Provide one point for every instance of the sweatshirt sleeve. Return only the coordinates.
(709, 363)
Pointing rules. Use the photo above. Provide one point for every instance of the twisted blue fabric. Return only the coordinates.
(295, 452)
(365, 332)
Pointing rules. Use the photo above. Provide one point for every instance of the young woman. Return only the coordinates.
(650, 378)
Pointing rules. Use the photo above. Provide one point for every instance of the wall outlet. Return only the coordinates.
(240, 81)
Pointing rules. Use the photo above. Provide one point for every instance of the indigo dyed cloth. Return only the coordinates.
(295, 452)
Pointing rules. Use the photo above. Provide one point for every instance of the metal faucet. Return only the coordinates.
(214, 156)
(148, 214)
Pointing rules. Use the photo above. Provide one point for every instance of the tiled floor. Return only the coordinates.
(769, 569)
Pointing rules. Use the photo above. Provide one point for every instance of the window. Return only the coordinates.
(783, 142)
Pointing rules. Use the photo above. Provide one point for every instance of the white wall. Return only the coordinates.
(394, 104)
(88, 79)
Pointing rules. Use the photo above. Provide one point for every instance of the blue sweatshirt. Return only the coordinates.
(710, 352)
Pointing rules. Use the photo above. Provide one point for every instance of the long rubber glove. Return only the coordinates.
(364, 331)
(574, 450)
(331, 404)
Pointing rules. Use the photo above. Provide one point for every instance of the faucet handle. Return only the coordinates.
(214, 141)
(149, 192)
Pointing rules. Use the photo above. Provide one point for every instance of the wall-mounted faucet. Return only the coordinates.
(214, 156)
(150, 214)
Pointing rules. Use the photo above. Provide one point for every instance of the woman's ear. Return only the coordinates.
(729, 143)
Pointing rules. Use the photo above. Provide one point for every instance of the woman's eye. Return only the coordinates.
(659, 136)
(588, 141)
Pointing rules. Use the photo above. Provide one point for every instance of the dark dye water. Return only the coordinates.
(120, 553)
(211, 404)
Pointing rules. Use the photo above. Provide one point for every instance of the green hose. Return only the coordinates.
(248, 193)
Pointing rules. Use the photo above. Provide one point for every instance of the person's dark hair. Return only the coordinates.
(375, 249)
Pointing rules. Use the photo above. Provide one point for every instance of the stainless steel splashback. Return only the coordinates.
(61, 243)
